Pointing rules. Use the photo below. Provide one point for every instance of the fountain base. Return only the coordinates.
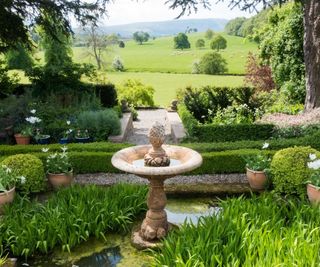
(140, 243)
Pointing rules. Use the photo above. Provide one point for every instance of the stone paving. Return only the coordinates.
(139, 134)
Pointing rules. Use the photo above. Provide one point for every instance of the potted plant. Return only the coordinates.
(256, 167)
(313, 184)
(82, 136)
(59, 169)
(42, 139)
(7, 185)
(66, 135)
(24, 137)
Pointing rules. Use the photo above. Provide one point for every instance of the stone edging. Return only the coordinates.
(126, 128)
(178, 131)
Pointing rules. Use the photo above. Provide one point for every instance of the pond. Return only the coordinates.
(117, 251)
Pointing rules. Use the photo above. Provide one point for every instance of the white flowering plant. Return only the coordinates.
(58, 162)
(314, 166)
(32, 121)
(8, 178)
(260, 161)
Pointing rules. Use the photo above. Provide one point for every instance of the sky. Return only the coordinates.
(130, 11)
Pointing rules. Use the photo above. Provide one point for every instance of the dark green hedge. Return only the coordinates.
(223, 133)
(213, 162)
(90, 147)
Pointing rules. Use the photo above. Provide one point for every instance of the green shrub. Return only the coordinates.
(69, 218)
(107, 94)
(100, 124)
(136, 93)
(31, 168)
(212, 63)
(262, 230)
(289, 170)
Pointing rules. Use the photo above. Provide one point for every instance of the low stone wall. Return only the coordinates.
(126, 128)
(178, 131)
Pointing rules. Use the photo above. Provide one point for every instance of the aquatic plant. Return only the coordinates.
(70, 217)
(264, 230)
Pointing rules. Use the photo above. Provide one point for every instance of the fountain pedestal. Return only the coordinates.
(157, 169)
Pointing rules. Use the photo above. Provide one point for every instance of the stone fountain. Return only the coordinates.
(155, 162)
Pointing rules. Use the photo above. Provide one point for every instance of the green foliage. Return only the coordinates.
(212, 63)
(107, 94)
(218, 43)
(181, 41)
(19, 58)
(8, 178)
(209, 34)
(122, 44)
(314, 166)
(100, 124)
(261, 230)
(289, 170)
(260, 161)
(141, 37)
(223, 133)
(200, 43)
(136, 93)
(7, 83)
(282, 47)
(296, 131)
(58, 162)
(117, 64)
(69, 218)
(233, 27)
(31, 168)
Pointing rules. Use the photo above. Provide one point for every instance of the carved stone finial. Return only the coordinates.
(156, 156)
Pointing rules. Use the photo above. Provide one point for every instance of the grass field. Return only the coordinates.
(166, 84)
(159, 56)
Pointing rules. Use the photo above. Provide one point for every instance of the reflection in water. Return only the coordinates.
(140, 163)
(109, 257)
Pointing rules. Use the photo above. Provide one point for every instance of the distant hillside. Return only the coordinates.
(165, 28)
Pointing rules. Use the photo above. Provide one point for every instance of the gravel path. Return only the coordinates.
(218, 183)
(146, 118)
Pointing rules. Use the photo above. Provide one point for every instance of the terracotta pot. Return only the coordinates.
(6, 197)
(257, 179)
(22, 140)
(313, 194)
(60, 179)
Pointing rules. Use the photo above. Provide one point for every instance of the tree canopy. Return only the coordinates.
(181, 41)
(18, 17)
(141, 37)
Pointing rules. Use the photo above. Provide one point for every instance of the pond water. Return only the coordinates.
(117, 250)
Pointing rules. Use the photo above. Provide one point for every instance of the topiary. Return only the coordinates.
(289, 170)
(31, 168)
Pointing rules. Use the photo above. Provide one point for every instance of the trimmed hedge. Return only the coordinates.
(223, 133)
(213, 162)
(90, 147)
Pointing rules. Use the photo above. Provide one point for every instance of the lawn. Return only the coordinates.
(159, 56)
(166, 84)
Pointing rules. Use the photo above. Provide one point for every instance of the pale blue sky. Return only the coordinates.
(129, 11)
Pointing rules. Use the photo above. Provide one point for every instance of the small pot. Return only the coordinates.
(257, 179)
(45, 140)
(22, 140)
(313, 194)
(6, 197)
(64, 141)
(82, 139)
(60, 179)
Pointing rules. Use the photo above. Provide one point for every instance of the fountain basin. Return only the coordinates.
(185, 160)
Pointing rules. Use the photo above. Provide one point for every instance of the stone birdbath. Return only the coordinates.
(155, 162)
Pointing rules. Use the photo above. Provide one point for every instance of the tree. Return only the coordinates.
(200, 43)
(212, 63)
(141, 37)
(122, 44)
(218, 42)
(18, 18)
(311, 42)
(209, 34)
(233, 27)
(19, 58)
(181, 41)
